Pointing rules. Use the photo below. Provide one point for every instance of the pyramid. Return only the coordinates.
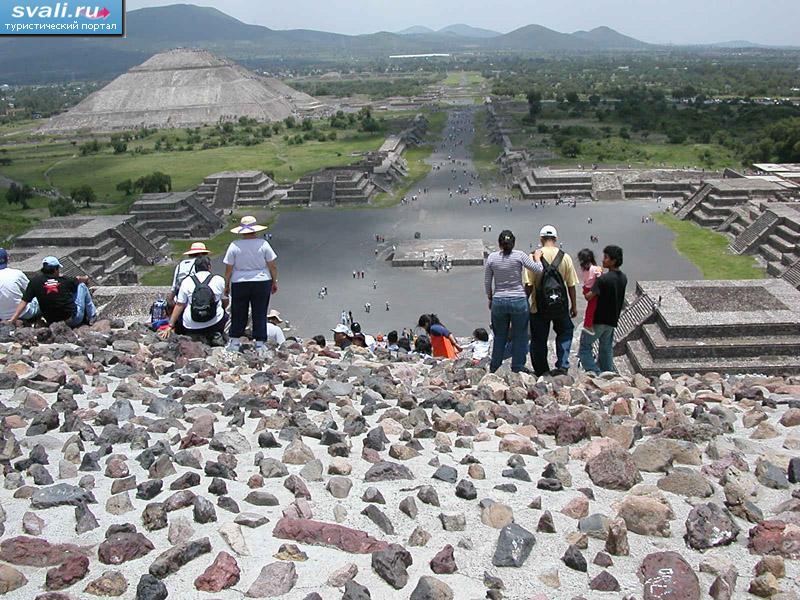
(182, 88)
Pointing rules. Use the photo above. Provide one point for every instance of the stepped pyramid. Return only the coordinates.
(182, 88)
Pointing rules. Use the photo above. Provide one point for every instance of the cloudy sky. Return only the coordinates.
(657, 21)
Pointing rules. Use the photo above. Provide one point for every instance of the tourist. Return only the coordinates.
(423, 346)
(274, 331)
(251, 277)
(356, 328)
(184, 269)
(560, 279)
(342, 336)
(481, 344)
(392, 339)
(200, 306)
(444, 342)
(60, 298)
(507, 301)
(588, 273)
(609, 289)
(319, 340)
(404, 343)
(13, 283)
(359, 340)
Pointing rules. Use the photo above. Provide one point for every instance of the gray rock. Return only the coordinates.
(710, 525)
(275, 579)
(391, 565)
(377, 516)
(387, 471)
(61, 494)
(514, 545)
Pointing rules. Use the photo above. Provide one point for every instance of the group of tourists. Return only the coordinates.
(530, 293)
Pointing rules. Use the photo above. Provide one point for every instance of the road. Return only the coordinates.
(324, 246)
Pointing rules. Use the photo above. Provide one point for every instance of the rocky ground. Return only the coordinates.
(137, 468)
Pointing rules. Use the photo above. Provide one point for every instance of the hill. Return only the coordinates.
(469, 32)
(416, 29)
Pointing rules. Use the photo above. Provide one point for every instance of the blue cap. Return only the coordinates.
(52, 262)
(3, 258)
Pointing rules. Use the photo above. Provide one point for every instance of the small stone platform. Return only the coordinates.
(746, 326)
(419, 253)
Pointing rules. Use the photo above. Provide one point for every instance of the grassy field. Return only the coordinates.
(454, 78)
(17, 220)
(708, 250)
(484, 152)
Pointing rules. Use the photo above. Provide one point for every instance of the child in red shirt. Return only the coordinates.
(589, 272)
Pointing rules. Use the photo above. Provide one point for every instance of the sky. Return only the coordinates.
(771, 22)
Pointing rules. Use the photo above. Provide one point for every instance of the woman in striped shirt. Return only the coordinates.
(507, 301)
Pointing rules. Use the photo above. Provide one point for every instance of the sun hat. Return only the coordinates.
(274, 314)
(3, 258)
(196, 249)
(248, 224)
(548, 231)
(342, 329)
(51, 261)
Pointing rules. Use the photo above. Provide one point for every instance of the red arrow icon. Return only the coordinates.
(102, 14)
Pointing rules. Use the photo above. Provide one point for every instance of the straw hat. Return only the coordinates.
(248, 224)
(198, 248)
(274, 314)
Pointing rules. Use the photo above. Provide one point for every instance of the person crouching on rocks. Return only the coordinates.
(200, 306)
(61, 298)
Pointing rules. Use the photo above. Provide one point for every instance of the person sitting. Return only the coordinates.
(480, 345)
(422, 346)
(444, 343)
(202, 293)
(404, 343)
(369, 340)
(319, 340)
(392, 339)
(13, 283)
(274, 331)
(60, 298)
(359, 340)
(184, 269)
(342, 336)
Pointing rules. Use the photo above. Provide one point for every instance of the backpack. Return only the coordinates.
(183, 275)
(204, 301)
(551, 295)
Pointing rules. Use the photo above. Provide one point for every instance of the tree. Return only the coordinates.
(83, 194)
(594, 100)
(307, 124)
(156, 182)
(572, 98)
(125, 186)
(19, 195)
(119, 146)
(289, 122)
(570, 147)
(62, 207)
(534, 103)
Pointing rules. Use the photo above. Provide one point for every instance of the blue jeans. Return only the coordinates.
(250, 296)
(509, 312)
(605, 353)
(31, 311)
(85, 311)
(540, 331)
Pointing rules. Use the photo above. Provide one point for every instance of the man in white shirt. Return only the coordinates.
(12, 285)
(183, 320)
(274, 332)
(185, 269)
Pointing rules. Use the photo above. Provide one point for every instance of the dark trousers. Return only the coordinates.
(540, 331)
(250, 296)
(206, 332)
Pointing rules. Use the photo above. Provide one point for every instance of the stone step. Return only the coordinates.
(775, 268)
(789, 258)
(781, 243)
(644, 363)
(662, 347)
(788, 234)
(770, 253)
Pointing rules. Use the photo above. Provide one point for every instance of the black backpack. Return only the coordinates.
(204, 301)
(551, 295)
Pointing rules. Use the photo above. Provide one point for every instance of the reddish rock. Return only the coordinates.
(318, 533)
(123, 546)
(444, 562)
(71, 570)
(220, 575)
(35, 552)
(775, 537)
(613, 469)
(10, 579)
(667, 576)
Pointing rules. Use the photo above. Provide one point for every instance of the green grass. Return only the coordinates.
(17, 220)
(453, 79)
(484, 152)
(708, 250)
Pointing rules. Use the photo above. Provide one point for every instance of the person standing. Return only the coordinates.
(609, 289)
(13, 283)
(553, 302)
(61, 298)
(184, 269)
(251, 277)
(507, 300)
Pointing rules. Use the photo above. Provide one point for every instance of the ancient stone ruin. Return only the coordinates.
(233, 189)
(332, 186)
(183, 88)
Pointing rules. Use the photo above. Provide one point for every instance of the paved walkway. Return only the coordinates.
(324, 246)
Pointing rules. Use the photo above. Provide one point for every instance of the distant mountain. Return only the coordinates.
(415, 30)
(610, 38)
(738, 44)
(468, 31)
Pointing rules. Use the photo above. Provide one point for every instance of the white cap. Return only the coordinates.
(548, 231)
(342, 329)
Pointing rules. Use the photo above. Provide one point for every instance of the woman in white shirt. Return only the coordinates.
(251, 276)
